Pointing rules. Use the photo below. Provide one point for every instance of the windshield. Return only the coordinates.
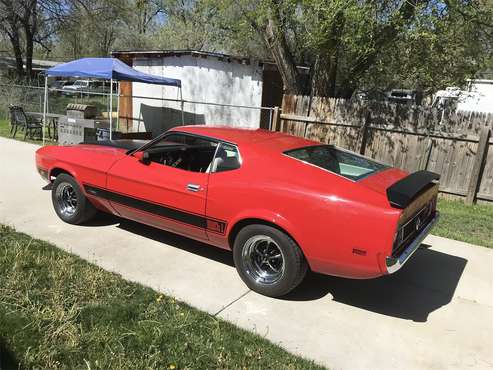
(80, 83)
(341, 162)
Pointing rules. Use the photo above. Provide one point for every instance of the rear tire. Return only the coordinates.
(268, 260)
(70, 203)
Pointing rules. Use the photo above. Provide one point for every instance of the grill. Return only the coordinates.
(81, 124)
(413, 226)
(83, 111)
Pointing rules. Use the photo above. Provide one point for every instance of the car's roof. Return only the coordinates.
(244, 136)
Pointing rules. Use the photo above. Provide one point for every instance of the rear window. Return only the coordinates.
(341, 162)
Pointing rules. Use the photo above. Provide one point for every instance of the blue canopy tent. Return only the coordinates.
(109, 69)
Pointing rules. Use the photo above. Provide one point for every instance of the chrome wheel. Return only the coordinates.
(264, 260)
(66, 199)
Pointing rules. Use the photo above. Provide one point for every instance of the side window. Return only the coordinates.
(185, 152)
(175, 138)
(189, 140)
(227, 158)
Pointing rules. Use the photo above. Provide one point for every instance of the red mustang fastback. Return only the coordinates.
(281, 203)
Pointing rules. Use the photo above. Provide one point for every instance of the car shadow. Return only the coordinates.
(178, 241)
(426, 283)
(7, 358)
(423, 285)
(102, 219)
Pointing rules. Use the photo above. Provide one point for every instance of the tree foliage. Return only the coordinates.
(354, 44)
(348, 44)
(24, 23)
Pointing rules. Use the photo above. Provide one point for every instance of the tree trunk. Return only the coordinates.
(16, 46)
(324, 82)
(384, 36)
(29, 56)
(332, 76)
(11, 27)
(275, 39)
(30, 23)
(324, 77)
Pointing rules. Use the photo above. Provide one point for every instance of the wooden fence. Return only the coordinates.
(458, 146)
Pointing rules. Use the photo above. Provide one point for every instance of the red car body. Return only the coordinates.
(345, 228)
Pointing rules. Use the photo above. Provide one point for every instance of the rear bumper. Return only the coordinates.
(395, 263)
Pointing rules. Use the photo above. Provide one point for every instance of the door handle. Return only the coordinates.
(193, 187)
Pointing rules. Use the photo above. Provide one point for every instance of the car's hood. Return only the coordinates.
(120, 144)
(96, 157)
(104, 151)
(95, 151)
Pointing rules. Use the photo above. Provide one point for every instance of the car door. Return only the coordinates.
(160, 195)
(227, 192)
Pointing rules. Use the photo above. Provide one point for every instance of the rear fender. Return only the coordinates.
(267, 216)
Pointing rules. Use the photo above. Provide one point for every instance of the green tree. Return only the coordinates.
(25, 24)
(348, 44)
(96, 27)
(353, 44)
(446, 46)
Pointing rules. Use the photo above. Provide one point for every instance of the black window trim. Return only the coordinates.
(174, 132)
(385, 166)
(170, 132)
(240, 158)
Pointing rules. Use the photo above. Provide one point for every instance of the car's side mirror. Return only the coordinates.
(143, 157)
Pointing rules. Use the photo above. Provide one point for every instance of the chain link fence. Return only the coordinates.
(29, 97)
(151, 114)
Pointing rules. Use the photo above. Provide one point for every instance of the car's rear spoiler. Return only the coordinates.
(401, 194)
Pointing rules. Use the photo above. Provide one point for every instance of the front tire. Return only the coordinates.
(268, 260)
(70, 204)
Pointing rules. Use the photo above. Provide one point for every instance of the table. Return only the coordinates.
(52, 121)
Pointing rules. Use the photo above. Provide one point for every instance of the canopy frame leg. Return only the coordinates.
(111, 109)
(182, 113)
(118, 107)
(45, 103)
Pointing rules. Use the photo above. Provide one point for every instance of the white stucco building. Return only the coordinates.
(206, 77)
(478, 98)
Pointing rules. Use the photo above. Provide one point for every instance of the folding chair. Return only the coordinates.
(19, 119)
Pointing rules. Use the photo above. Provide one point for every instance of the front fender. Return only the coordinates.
(47, 158)
(65, 167)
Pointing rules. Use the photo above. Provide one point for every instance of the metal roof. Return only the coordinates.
(194, 53)
(179, 52)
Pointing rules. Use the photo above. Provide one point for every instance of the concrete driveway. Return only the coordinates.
(436, 313)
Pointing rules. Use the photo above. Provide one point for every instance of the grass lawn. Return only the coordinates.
(471, 224)
(4, 128)
(5, 132)
(58, 311)
(57, 104)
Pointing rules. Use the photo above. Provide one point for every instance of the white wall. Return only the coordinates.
(203, 79)
(480, 97)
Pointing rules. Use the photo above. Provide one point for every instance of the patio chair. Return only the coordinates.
(30, 125)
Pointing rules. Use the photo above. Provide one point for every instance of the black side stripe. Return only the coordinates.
(158, 209)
